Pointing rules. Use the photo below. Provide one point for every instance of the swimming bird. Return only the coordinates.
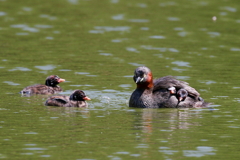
(76, 99)
(157, 93)
(50, 87)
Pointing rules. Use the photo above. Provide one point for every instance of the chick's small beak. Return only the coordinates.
(86, 98)
(172, 90)
(180, 99)
(61, 80)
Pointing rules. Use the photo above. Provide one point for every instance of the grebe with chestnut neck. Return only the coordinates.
(158, 93)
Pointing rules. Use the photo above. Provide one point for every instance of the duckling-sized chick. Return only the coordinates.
(182, 94)
(76, 99)
(50, 87)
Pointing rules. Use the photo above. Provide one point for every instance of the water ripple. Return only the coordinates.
(105, 54)
(139, 20)
(123, 152)
(154, 48)
(178, 29)
(35, 149)
(48, 17)
(182, 34)
(65, 70)
(214, 34)
(131, 49)
(45, 156)
(27, 9)
(235, 49)
(125, 85)
(167, 4)
(116, 40)
(45, 68)
(31, 144)
(230, 9)
(200, 152)
(182, 77)
(2, 13)
(22, 34)
(11, 83)
(157, 37)
(144, 28)
(173, 19)
(142, 5)
(178, 69)
(18, 25)
(73, 1)
(208, 82)
(30, 133)
(43, 26)
(136, 64)
(30, 29)
(82, 73)
(181, 63)
(114, 1)
(173, 50)
(20, 69)
(167, 151)
(110, 29)
(50, 38)
(118, 17)
(142, 146)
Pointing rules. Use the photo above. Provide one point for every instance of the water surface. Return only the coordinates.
(95, 46)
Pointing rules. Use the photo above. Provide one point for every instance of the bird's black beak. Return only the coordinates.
(139, 79)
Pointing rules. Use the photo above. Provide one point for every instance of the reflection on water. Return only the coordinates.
(172, 126)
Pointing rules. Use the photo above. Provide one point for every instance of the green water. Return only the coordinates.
(96, 45)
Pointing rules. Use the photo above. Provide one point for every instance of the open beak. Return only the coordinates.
(61, 80)
(86, 98)
(139, 79)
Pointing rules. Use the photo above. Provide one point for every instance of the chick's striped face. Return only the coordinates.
(53, 80)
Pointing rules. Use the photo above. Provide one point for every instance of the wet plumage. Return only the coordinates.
(76, 99)
(156, 94)
(50, 87)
